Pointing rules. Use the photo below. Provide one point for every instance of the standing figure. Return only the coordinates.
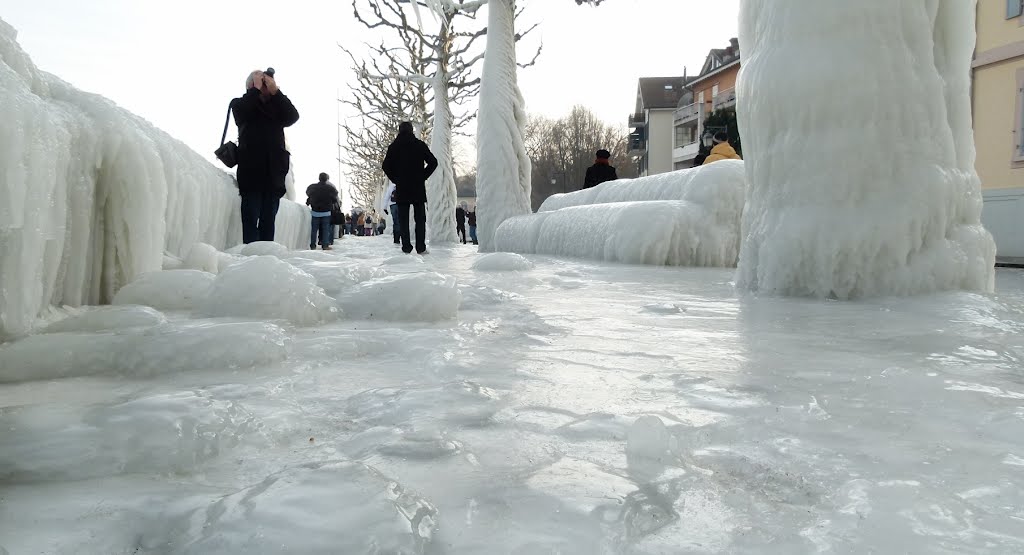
(263, 161)
(722, 150)
(601, 171)
(460, 222)
(321, 198)
(471, 216)
(408, 164)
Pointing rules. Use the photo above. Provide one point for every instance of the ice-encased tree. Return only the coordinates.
(503, 166)
(866, 185)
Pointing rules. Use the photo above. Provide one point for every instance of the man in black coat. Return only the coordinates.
(460, 223)
(601, 171)
(322, 199)
(408, 164)
(263, 161)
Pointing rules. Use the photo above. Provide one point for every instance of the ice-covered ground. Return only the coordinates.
(567, 407)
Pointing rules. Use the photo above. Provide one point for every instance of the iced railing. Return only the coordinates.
(684, 218)
(93, 195)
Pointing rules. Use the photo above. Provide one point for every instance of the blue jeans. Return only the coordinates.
(321, 225)
(259, 213)
(472, 233)
(396, 228)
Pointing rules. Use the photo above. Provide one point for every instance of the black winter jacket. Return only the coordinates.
(321, 197)
(599, 173)
(471, 216)
(262, 158)
(408, 164)
(460, 217)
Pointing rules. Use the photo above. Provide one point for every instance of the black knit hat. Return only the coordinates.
(324, 177)
(604, 154)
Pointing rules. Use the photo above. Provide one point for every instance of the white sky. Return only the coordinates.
(179, 63)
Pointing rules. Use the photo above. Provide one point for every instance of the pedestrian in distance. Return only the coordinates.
(601, 171)
(722, 149)
(460, 222)
(408, 163)
(392, 201)
(471, 219)
(261, 115)
(321, 197)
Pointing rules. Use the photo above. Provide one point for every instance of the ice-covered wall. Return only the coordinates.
(92, 195)
(857, 135)
(684, 218)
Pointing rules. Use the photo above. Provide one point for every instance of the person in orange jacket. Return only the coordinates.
(722, 150)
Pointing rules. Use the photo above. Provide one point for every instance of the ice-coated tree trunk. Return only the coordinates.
(503, 166)
(866, 185)
(441, 193)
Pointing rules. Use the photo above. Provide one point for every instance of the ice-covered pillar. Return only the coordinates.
(503, 166)
(857, 134)
(442, 195)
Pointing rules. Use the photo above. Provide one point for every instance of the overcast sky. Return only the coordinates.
(179, 63)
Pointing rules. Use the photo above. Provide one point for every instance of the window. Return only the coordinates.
(1018, 123)
(1014, 8)
(714, 91)
(681, 136)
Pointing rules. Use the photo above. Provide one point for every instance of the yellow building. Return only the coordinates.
(998, 99)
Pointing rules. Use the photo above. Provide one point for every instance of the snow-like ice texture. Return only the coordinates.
(719, 187)
(417, 297)
(142, 352)
(503, 166)
(658, 232)
(108, 318)
(502, 262)
(92, 195)
(167, 289)
(856, 192)
(268, 287)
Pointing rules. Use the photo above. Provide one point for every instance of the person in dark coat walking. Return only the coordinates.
(460, 223)
(601, 171)
(471, 217)
(408, 164)
(261, 115)
(321, 197)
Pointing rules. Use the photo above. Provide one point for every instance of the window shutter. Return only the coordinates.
(1014, 8)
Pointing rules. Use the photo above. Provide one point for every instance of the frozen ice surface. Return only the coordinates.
(855, 192)
(502, 262)
(94, 196)
(660, 233)
(416, 297)
(264, 248)
(167, 289)
(108, 318)
(566, 408)
(266, 287)
(170, 348)
(684, 218)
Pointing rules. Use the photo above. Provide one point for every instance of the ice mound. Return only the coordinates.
(142, 352)
(719, 187)
(92, 196)
(664, 233)
(419, 297)
(108, 318)
(338, 274)
(502, 262)
(167, 290)
(267, 287)
(203, 257)
(159, 434)
(261, 248)
(338, 507)
(402, 259)
(648, 438)
(855, 192)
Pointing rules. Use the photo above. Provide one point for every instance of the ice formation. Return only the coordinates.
(857, 191)
(92, 195)
(417, 297)
(503, 165)
(684, 218)
(502, 262)
(266, 287)
(167, 290)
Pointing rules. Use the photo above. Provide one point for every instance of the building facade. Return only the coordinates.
(713, 89)
(651, 137)
(998, 106)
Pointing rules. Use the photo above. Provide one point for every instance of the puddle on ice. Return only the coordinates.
(516, 407)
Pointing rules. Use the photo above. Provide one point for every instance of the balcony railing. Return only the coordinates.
(687, 113)
(637, 120)
(637, 145)
(724, 99)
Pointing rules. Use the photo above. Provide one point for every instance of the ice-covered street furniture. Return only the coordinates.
(684, 218)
